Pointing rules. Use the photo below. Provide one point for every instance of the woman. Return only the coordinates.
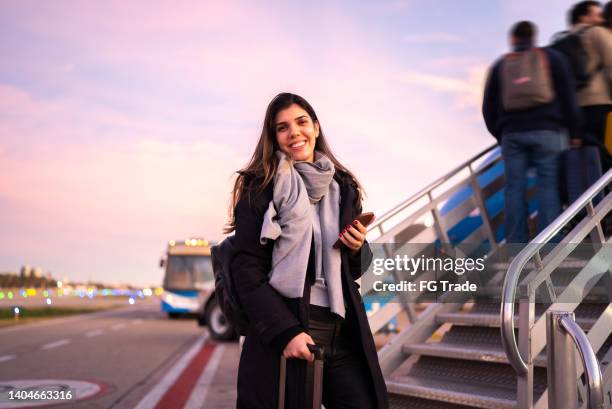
(289, 205)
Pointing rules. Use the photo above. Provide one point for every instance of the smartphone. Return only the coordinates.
(364, 218)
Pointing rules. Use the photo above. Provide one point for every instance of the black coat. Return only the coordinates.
(274, 319)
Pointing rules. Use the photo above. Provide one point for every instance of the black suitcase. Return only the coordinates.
(312, 394)
(581, 168)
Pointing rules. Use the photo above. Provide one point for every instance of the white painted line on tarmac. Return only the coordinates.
(80, 317)
(56, 344)
(94, 333)
(118, 327)
(5, 358)
(158, 391)
(200, 390)
(137, 322)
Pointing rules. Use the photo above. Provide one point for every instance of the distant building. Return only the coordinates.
(26, 271)
(37, 272)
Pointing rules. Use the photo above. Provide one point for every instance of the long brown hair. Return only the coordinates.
(263, 162)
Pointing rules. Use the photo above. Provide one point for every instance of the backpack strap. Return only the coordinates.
(543, 57)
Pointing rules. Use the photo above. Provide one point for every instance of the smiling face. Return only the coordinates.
(296, 133)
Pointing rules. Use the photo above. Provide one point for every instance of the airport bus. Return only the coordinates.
(189, 286)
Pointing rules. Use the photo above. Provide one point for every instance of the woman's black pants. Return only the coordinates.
(347, 383)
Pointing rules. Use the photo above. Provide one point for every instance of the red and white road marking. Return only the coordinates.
(198, 396)
(186, 384)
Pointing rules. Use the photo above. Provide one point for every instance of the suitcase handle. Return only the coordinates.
(317, 350)
(317, 392)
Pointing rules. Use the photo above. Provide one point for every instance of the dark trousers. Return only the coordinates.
(347, 383)
(595, 129)
(595, 123)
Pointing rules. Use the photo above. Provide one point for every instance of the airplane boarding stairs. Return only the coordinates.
(461, 354)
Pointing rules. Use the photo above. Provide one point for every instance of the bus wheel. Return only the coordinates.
(220, 329)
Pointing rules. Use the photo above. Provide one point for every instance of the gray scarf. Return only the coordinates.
(288, 220)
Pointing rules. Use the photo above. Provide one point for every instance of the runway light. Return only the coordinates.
(147, 292)
(172, 243)
(48, 301)
(159, 291)
(46, 294)
(31, 292)
(16, 310)
(131, 301)
(59, 284)
(10, 295)
(1, 295)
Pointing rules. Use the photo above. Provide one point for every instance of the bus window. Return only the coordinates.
(202, 268)
(187, 272)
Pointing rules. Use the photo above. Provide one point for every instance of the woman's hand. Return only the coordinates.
(298, 347)
(353, 236)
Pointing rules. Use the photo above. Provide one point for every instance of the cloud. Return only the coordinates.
(434, 37)
(467, 88)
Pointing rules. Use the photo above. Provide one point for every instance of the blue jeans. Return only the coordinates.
(542, 150)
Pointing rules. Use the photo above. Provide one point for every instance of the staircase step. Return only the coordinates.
(487, 315)
(496, 355)
(472, 343)
(469, 318)
(454, 393)
(405, 402)
(469, 383)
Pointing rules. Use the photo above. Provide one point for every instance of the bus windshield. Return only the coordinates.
(188, 272)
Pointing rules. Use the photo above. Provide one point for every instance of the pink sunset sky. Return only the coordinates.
(121, 123)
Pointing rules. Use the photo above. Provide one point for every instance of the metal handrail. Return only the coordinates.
(519, 262)
(589, 362)
(418, 195)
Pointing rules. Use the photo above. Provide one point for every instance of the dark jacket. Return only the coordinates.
(561, 113)
(274, 319)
